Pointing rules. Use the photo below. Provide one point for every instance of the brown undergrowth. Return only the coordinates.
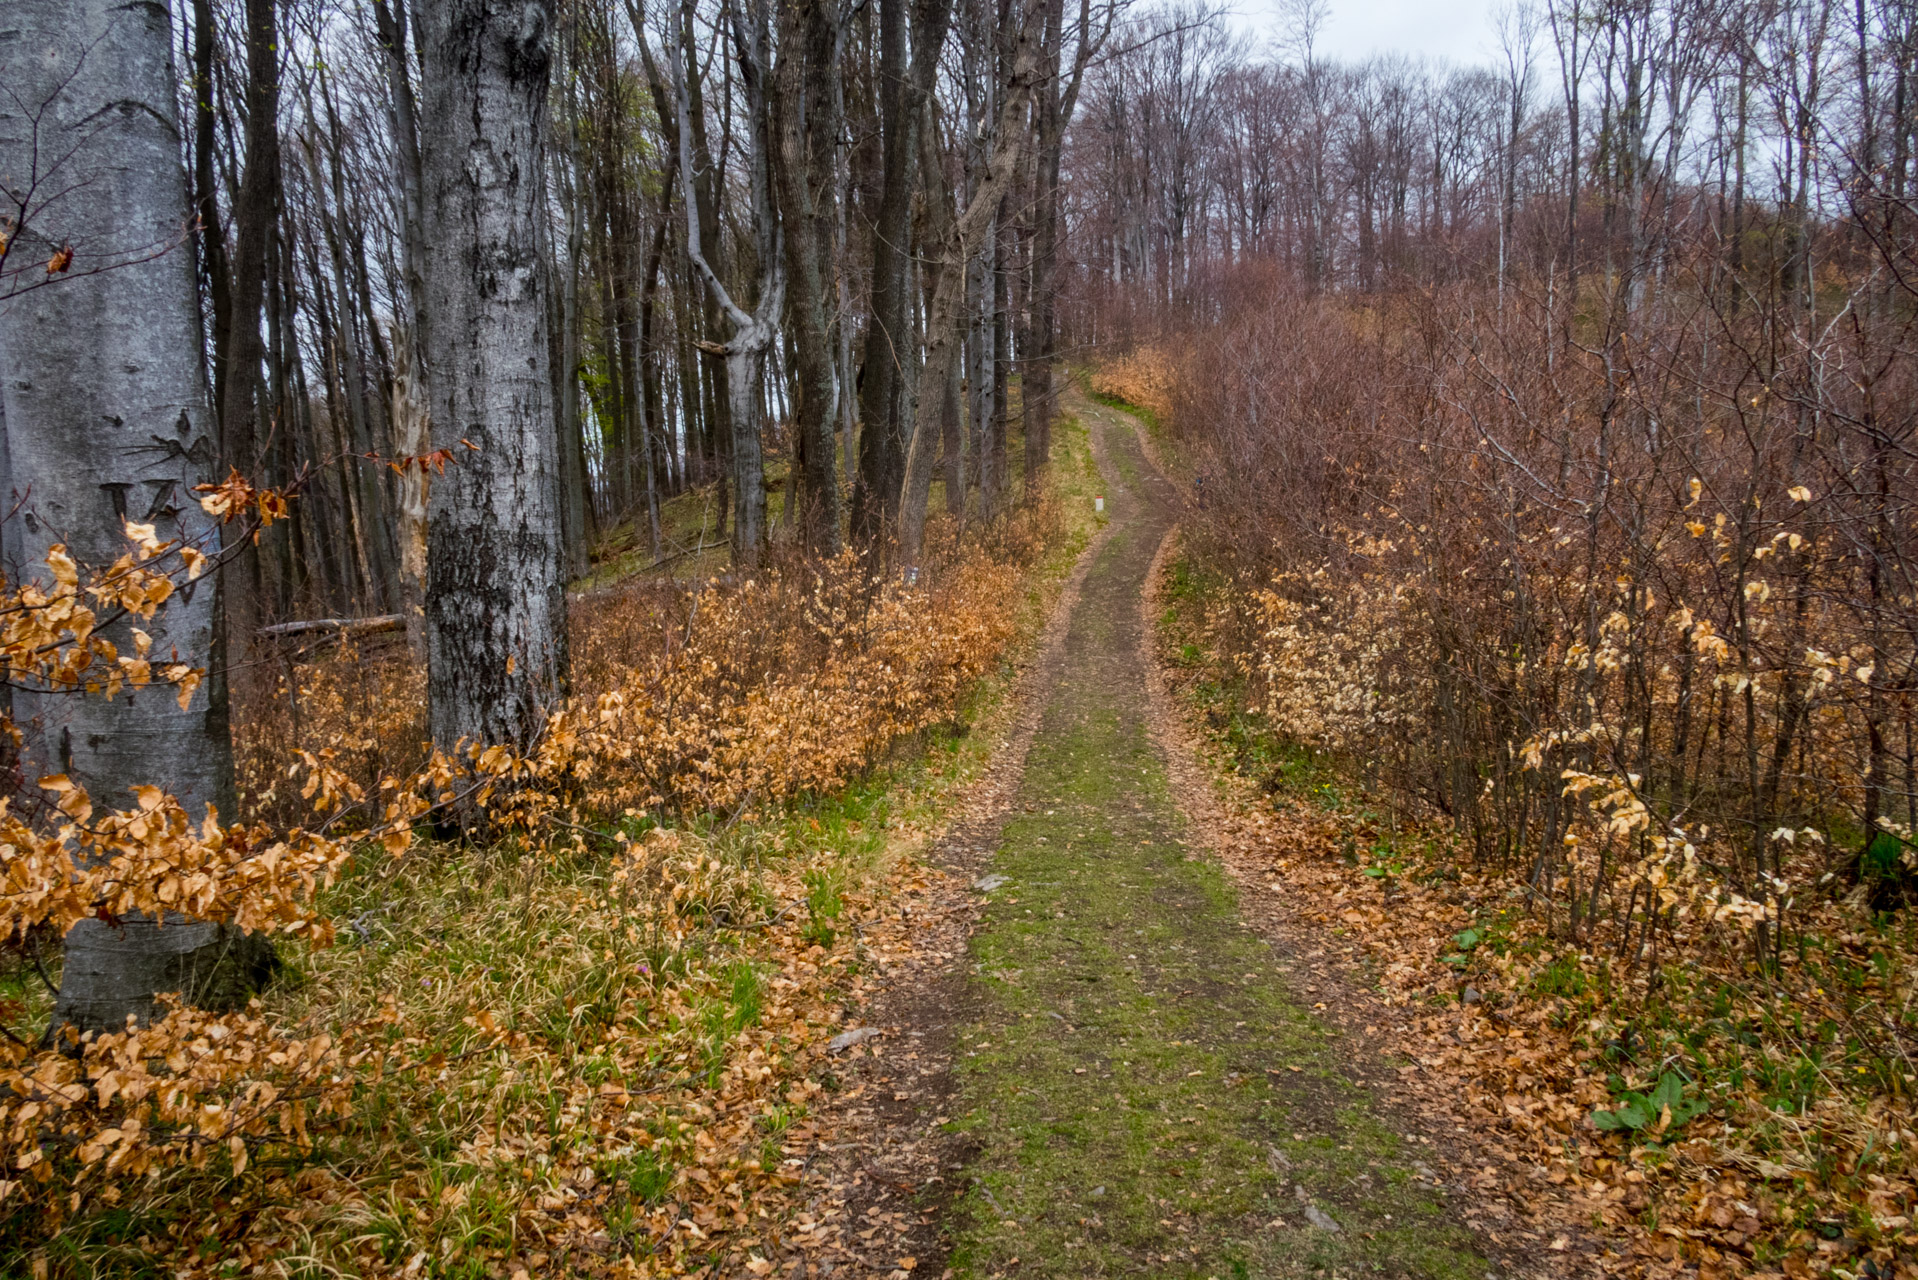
(1575, 637)
(593, 1045)
(1548, 1047)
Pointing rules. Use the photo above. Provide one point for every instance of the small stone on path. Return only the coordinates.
(1313, 1214)
(847, 1039)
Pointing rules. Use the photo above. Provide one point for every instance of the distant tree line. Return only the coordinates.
(1562, 411)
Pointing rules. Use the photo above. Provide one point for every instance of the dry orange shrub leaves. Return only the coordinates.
(191, 1082)
(783, 685)
(690, 699)
(1144, 377)
(50, 639)
(189, 1087)
(1517, 1047)
(1556, 1004)
(714, 700)
(1593, 704)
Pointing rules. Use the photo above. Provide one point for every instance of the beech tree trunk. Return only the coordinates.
(206, 191)
(881, 447)
(411, 434)
(980, 372)
(979, 60)
(952, 469)
(495, 599)
(107, 420)
(1050, 127)
(707, 200)
(998, 433)
(891, 360)
(748, 350)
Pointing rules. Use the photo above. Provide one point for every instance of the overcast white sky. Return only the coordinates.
(1460, 31)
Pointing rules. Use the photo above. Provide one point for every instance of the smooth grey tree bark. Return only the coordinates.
(495, 598)
(107, 419)
(9, 566)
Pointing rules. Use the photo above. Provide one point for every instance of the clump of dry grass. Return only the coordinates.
(1144, 378)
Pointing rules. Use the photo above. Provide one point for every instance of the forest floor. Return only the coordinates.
(1109, 1059)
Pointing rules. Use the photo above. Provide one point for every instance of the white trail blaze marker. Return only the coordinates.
(1099, 503)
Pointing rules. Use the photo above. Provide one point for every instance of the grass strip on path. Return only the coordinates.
(1144, 1094)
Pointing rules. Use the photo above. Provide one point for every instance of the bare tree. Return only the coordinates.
(810, 119)
(245, 415)
(891, 363)
(753, 331)
(1056, 98)
(955, 240)
(495, 600)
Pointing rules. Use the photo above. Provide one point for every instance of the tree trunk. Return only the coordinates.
(883, 403)
(880, 443)
(997, 443)
(952, 471)
(807, 99)
(979, 367)
(753, 332)
(206, 191)
(576, 508)
(108, 420)
(955, 239)
(412, 434)
(660, 434)
(1052, 110)
(412, 438)
(696, 162)
(256, 212)
(495, 602)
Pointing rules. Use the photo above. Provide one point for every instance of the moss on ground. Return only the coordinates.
(1144, 1093)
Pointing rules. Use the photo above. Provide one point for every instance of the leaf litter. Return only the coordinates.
(1535, 1121)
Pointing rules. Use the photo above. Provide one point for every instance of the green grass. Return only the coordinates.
(1186, 1066)
(1145, 1091)
(555, 947)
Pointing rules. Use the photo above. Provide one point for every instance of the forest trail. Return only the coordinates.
(1112, 1075)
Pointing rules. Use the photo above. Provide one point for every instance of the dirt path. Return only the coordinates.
(1100, 1069)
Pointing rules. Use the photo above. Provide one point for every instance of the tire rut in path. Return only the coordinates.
(1133, 1090)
